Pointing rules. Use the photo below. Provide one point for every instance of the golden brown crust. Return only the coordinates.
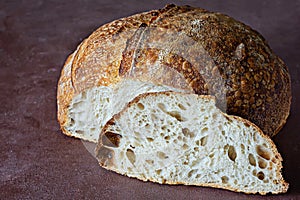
(227, 58)
(191, 48)
(97, 61)
(109, 162)
(84, 68)
(65, 94)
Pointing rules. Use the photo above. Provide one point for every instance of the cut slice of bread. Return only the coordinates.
(176, 138)
(91, 109)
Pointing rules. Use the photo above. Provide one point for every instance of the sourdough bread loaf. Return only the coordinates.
(174, 48)
(176, 138)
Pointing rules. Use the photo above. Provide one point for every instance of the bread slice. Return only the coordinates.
(177, 138)
(90, 110)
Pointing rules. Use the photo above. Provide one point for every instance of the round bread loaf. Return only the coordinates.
(188, 48)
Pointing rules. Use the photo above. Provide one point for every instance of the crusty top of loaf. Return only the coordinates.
(218, 55)
(191, 48)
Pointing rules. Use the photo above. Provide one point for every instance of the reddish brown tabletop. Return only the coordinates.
(38, 162)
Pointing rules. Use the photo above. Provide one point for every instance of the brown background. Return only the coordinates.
(38, 162)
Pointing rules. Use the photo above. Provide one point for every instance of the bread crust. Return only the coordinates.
(105, 154)
(218, 56)
(81, 72)
(65, 92)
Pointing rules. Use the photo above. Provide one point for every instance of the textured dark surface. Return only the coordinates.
(38, 162)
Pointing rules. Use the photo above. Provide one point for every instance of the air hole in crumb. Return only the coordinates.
(266, 181)
(260, 175)
(194, 163)
(265, 145)
(231, 153)
(140, 106)
(182, 107)
(187, 133)
(243, 148)
(158, 171)
(270, 165)
(164, 128)
(161, 106)
(177, 116)
(223, 132)
(204, 130)
(150, 162)
(111, 139)
(203, 141)
(167, 137)
(270, 176)
(224, 179)
(196, 149)
(262, 164)
(147, 126)
(174, 114)
(198, 176)
(161, 155)
(171, 175)
(79, 132)
(72, 122)
(252, 160)
(185, 146)
(191, 173)
(154, 117)
(263, 152)
(150, 139)
(130, 155)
